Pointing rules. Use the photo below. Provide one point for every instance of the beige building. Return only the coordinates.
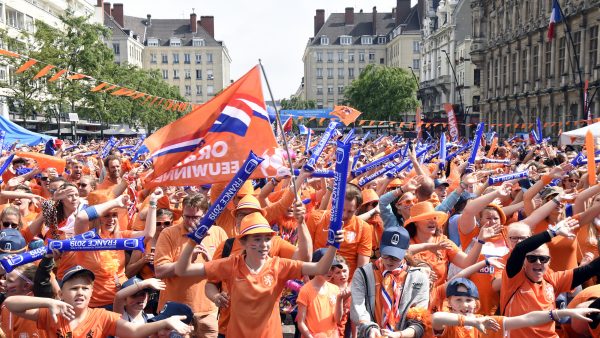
(525, 76)
(186, 53)
(346, 43)
(126, 44)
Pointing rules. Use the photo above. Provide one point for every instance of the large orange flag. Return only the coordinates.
(209, 144)
(346, 114)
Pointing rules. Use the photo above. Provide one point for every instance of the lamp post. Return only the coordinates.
(462, 106)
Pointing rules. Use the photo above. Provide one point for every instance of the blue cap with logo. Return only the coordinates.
(453, 285)
(11, 242)
(394, 242)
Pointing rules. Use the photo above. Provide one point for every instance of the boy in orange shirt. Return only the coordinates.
(320, 303)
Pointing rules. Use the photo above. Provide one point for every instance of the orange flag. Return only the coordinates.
(590, 150)
(26, 66)
(76, 76)
(100, 86)
(346, 114)
(43, 72)
(45, 161)
(362, 122)
(8, 53)
(57, 75)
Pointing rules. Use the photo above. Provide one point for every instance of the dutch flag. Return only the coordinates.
(555, 18)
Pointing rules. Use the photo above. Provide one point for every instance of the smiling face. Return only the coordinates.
(110, 221)
(535, 270)
(257, 245)
(462, 304)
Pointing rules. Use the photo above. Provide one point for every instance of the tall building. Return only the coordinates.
(447, 74)
(125, 43)
(345, 43)
(524, 75)
(185, 52)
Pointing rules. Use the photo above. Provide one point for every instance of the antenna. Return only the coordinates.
(193, 10)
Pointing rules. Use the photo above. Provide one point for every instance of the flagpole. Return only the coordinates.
(278, 118)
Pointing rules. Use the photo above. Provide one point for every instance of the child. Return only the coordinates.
(461, 321)
(58, 317)
(320, 304)
(131, 300)
(339, 277)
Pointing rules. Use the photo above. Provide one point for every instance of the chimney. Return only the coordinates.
(349, 16)
(374, 20)
(319, 20)
(117, 14)
(208, 23)
(193, 24)
(107, 8)
(148, 19)
(402, 10)
(100, 3)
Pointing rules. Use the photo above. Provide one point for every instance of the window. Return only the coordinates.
(319, 90)
(1, 11)
(477, 77)
(153, 42)
(29, 24)
(360, 70)
(324, 40)
(198, 74)
(198, 58)
(329, 56)
(351, 56)
(117, 48)
(186, 58)
(561, 56)
(351, 73)
(175, 42)
(548, 59)
(209, 58)
(188, 90)
(198, 89)
(165, 58)
(345, 40)
(152, 57)
(330, 73)
(496, 71)
(513, 69)
(319, 73)
(340, 89)
(330, 89)
(416, 64)
(577, 43)
(340, 73)
(524, 66)
(210, 75)
(165, 74)
(505, 71)
(340, 56)
(175, 58)
(593, 47)
(371, 56)
(210, 90)
(188, 74)
(381, 40)
(319, 56)
(175, 74)
(198, 42)
(366, 40)
(361, 56)
(15, 18)
(536, 52)
(2, 73)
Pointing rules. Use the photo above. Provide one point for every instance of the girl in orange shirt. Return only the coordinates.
(256, 279)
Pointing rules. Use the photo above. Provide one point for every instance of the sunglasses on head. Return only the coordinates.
(10, 225)
(535, 258)
(163, 224)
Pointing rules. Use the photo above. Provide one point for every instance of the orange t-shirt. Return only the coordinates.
(519, 296)
(254, 298)
(99, 323)
(562, 250)
(357, 238)
(15, 326)
(187, 290)
(589, 293)
(583, 241)
(279, 248)
(471, 332)
(108, 267)
(320, 309)
(438, 260)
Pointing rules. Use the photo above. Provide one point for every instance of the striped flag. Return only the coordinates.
(555, 18)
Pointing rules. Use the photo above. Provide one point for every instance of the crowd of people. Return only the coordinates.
(436, 250)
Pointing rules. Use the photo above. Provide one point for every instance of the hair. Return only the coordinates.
(24, 188)
(19, 160)
(196, 201)
(425, 190)
(12, 211)
(28, 270)
(111, 158)
(353, 193)
(93, 181)
(60, 209)
(57, 179)
(164, 212)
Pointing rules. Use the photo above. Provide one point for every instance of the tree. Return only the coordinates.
(294, 103)
(382, 93)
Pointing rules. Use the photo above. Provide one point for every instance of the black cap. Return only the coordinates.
(174, 309)
(317, 255)
(75, 271)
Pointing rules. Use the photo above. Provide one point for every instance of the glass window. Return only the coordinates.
(117, 48)
(209, 57)
(340, 56)
(186, 58)
(198, 89)
(198, 42)
(165, 58)
(198, 58)
(198, 74)
(187, 73)
(153, 42)
(340, 73)
(152, 57)
(324, 40)
(188, 90)
(175, 74)
(175, 57)
(345, 40)
(209, 74)
(165, 74)
(319, 56)
(366, 40)
(361, 56)
(319, 73)
(210, 90)
(351, 73)
(330, 73)
(329, 56)
(175, 42)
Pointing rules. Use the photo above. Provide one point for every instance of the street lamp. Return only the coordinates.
(462, 106)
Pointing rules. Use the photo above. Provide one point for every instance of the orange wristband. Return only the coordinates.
(546, 179)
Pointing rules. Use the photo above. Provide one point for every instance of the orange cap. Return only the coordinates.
(368, 196)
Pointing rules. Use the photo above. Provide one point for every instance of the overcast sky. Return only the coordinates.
(275, 31)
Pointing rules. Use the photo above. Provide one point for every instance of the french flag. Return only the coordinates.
(555, 18)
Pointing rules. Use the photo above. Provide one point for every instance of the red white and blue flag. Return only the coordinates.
(555, 18)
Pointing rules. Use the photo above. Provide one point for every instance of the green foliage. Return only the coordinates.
(382, 93)
(294, 103)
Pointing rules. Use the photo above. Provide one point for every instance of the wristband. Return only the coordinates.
(482, 242)
(552, 232)
(487, 262)
(546, 179)
(91, 212)
(329, 188)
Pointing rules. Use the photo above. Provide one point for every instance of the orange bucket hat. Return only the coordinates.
(423, 211)
(249, 202)
(255, 223)
(395, 183)
(368, 196)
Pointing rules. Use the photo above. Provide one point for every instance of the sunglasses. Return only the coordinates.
(535, 258)
(163, 224)
(573, 180)
(10, 225)
(83, 185)
(44, 178)
(192, 217)
(517, 238)
(372, 205)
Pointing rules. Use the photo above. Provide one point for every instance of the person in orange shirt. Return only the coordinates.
(258, 279)
(339, 277)
(76, 168)
(369, 212)
(71, 316)
(86, 185)
(529, 285)
(183, 289)
(112, 165)
(462, 322)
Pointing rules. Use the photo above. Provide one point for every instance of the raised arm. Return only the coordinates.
(121, 296)
(93, 212)
(28, 307)
(541, 213)
(474, 207)
(150, 228)
(583, 197)
(528, 196)
(185, 267)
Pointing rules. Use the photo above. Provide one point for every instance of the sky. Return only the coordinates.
(275, 31)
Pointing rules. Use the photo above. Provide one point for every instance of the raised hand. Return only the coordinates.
(566, 227)
(176, 323)
(485, 323)
(60, 308)
(489, 230)
(155, 283)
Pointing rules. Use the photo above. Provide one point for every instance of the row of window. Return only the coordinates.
(187, 73)
(340, 56)
(18, 20)
(346, 40)
(134, 53)
(176, 42)
(187, 58)
(340, 90)
(210, 90)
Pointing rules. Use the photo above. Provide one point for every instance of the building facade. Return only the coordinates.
(125, 43)
(447, 74)
(524, 75)
(185, 52)
(345, 43)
